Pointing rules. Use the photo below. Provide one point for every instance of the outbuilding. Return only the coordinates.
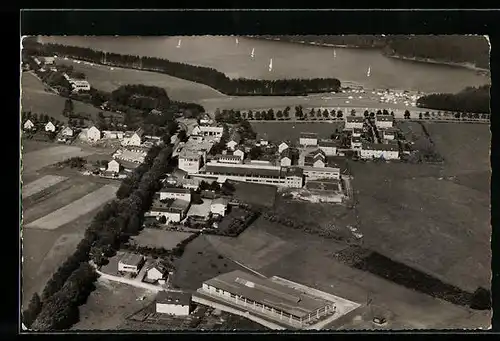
(131, 262)
(173, 303)
(219, 206)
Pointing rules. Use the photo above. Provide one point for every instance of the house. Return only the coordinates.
(136, 138)
(384, 121)
(355, 143)
(47, 60)
(210, 131)
(288, 157)
(93, 134)
(388, 133)
(173, 303)
(356, 132)
(316, 159)
(352, 122)
(80, 85)
(234, 140)
(206, 120)
(174, 210)
(190, 161)
(283, 146)
(28, 125)
(158, 271)
(313, 173)
(112, 134)
(219, 206)
(67, 132)
(240, 153)
(383, 151)
(193, 184)
(50, 127)
(131, 262)
(308, 139)
(175, 193)
(329, 147)
(262, 143)
(113, 166)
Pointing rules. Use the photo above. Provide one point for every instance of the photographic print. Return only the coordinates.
(255, 183)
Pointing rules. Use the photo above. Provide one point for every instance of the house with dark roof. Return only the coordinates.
(175, 193)
(289, 157)
(173, 303)
(380, 151)
(234, 140)
(352, 122)
(308, 139)
(384, 121)
(131, 262)
(315, 159)
(328, 146)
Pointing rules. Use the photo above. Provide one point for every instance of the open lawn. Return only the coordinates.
(109, 305)
(159, 238)
(40, 184)
(200, 262)
(36, 99)
(75, 209)
(33, 145)
(254, 194)
(35, 160)
(56, 197)
(200, 210)
(279, 131)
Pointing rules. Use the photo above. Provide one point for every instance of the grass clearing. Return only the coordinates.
(254, 194)
(77, 208)
(33, 145)
(280, 131)
(159, 238)
(41, 184)
(39, 159)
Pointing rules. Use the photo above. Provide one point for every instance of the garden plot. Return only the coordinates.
(41, 184)
(77, 208)
(160, 238)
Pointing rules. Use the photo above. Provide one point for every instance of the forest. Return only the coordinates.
(470, 100)
(440, 48)
(198, 74)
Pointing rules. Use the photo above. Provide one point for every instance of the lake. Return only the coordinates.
(289, 61)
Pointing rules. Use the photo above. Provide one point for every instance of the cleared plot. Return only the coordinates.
(200, 210)
(291, 130)
(36, 160)
(55, 197)
(75, 209)
(254, 194)
(41, 184)
(160, 238)
(33, 145)
(36, 99)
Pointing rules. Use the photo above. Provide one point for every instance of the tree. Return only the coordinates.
(162, 220)
(82, 122)
(379, 112)
(366, 113)
(427, 114)
(279, 114)
(339, 114)
(457, 115)
(392, 113)
(407, 114)
(385, 112)
(325, 113)
(353, 112)
(318, 114)
(34, 116)
(32, 311)
(255, 153)
(286, 113)
(420, 115)
(333, 113)
(68, 106)
(258, 116)
(372, 114)
(312, 113)
(250, 115)
(270, 115)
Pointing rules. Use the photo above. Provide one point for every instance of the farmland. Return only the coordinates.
(35, 160)
(280, 131)
(159, 238)
(41, 184)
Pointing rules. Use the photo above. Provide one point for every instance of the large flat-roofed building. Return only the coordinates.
(324, 185)
(173, 303)
(308, 139)
(175, 193)
(313, 173)
(131, 262)
(383, 151)
(193, 154)
(205, 130)
(328, 146)
(262, 296)
(174, 210)
(291, 177)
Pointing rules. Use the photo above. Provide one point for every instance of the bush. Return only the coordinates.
(34, 307)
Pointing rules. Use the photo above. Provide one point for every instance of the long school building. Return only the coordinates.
(262, 296)
(291, 177)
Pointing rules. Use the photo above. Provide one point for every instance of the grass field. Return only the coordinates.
(200, 262)
(256, 194)
(36, 99)
(280, 131)
(75, 209)
(35, 160)
(32, 146)
(159, 238)
(41, 184)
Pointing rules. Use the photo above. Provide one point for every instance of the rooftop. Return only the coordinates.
(270, 293)
(380, 146)
(221, 201)
(171, 297)
(357, 119)
(321, 169)
(170, 205)
(308, 135)
(384, 118)
(167, 189)
(328, 143)
(131, 259)
(242, 171)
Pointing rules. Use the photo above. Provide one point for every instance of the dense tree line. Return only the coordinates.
(110, 228)
(199, 74)
(440, 48)
(469, 100)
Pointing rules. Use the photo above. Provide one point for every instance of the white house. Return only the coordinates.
(173, 303)
(113, 134)
(308, 139)
(356, 132)
(234, 140)
(219, 206)
(93, 134)
(312, 173)
(174, 210)
(50, 127)
(190, 162)
(282, 147)
(388, 134)
(28, 125)
(355, 143)
(228, 158)
(136, 138)
(175, 193)
(157, 272)
(208, 131)
(113, 166)
(352, 122)
(48, 60)
(384, 121)
(316, 159)
(287, 158)
(240, 153)
(263, 143)
(328, 146)
(80, 85)
(384, 151)
(67, 132)
(131, 262)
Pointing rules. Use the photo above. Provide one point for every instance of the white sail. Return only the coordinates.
(369, 71)
(237, 41)
(253, 53)
(179, 43)
(271, 64)
(334, 54)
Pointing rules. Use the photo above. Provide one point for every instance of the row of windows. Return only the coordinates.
(240, 175)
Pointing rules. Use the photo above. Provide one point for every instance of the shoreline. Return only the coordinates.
(465, 65)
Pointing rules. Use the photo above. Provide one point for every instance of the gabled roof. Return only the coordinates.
(171, 297)
(139, 132)
(131, 259)
(160, 266)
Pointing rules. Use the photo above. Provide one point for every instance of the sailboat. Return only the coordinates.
(237, 41)
(334, 54)
(271, 65)
(368, 72)
(253, 53)
(179, 43)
